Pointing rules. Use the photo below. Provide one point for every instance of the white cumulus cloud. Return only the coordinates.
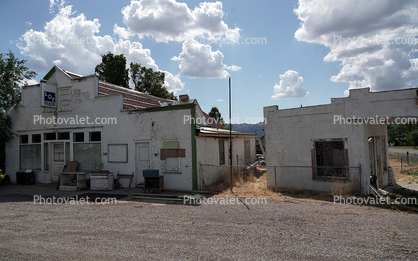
(173, 83)
(290, 86)
(121, 32)
(169, 20)
(71, 42)
(199, 61)
(59, 3)
(233, 68)
(375, 41)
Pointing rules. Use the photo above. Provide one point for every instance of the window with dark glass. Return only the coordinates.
(95, 136)
(36, 138)
(24, 139)
(63, 135)
(78, 137)
(50, 136)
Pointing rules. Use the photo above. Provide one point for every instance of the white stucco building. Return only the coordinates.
(350, 131)
(107, 127)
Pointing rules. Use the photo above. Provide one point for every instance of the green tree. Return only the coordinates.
(113, 69)
(13, 72)
(391, 134)
(412, 138)
(150, 82)
(401, 133)
(214, 113)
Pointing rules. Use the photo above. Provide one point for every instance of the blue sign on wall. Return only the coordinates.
(49, 99)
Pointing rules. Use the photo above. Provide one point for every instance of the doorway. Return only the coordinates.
(59, 157)
(142, 160)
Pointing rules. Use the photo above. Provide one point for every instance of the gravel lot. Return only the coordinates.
(131, 230)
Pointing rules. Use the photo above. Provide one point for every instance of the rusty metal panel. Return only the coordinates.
(172, 153)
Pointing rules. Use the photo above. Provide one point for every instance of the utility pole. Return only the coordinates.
(230, 136)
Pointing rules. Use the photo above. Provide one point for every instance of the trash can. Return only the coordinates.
(25, 177)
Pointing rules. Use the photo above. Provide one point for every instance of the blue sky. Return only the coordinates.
(306, 52)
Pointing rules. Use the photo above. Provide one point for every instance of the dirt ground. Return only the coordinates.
(284, 227)
(406, 176)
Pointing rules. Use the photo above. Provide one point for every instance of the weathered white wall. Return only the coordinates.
(208, 153)
(290, 133)
(154, 127)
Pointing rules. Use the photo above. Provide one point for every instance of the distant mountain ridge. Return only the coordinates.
(249, 128)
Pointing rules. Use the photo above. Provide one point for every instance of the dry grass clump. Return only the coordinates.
(344, 188)
(410, 176)
(245, 180)
(250, 185)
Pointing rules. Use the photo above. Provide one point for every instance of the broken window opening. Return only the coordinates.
(330, 159)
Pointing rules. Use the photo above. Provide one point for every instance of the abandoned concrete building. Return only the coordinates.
(346, 141)
(69, 117)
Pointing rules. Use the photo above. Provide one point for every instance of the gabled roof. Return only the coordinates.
(131, 99)
(71, 75)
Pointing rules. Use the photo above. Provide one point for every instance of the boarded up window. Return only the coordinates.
(30, 156)
(88, 155)
(171, 154)
(330, 158)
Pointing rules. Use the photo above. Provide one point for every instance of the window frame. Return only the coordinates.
(40, 156)
(172, 144)
(315, 167)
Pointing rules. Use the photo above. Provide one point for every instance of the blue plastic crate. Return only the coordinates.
(150, 173)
